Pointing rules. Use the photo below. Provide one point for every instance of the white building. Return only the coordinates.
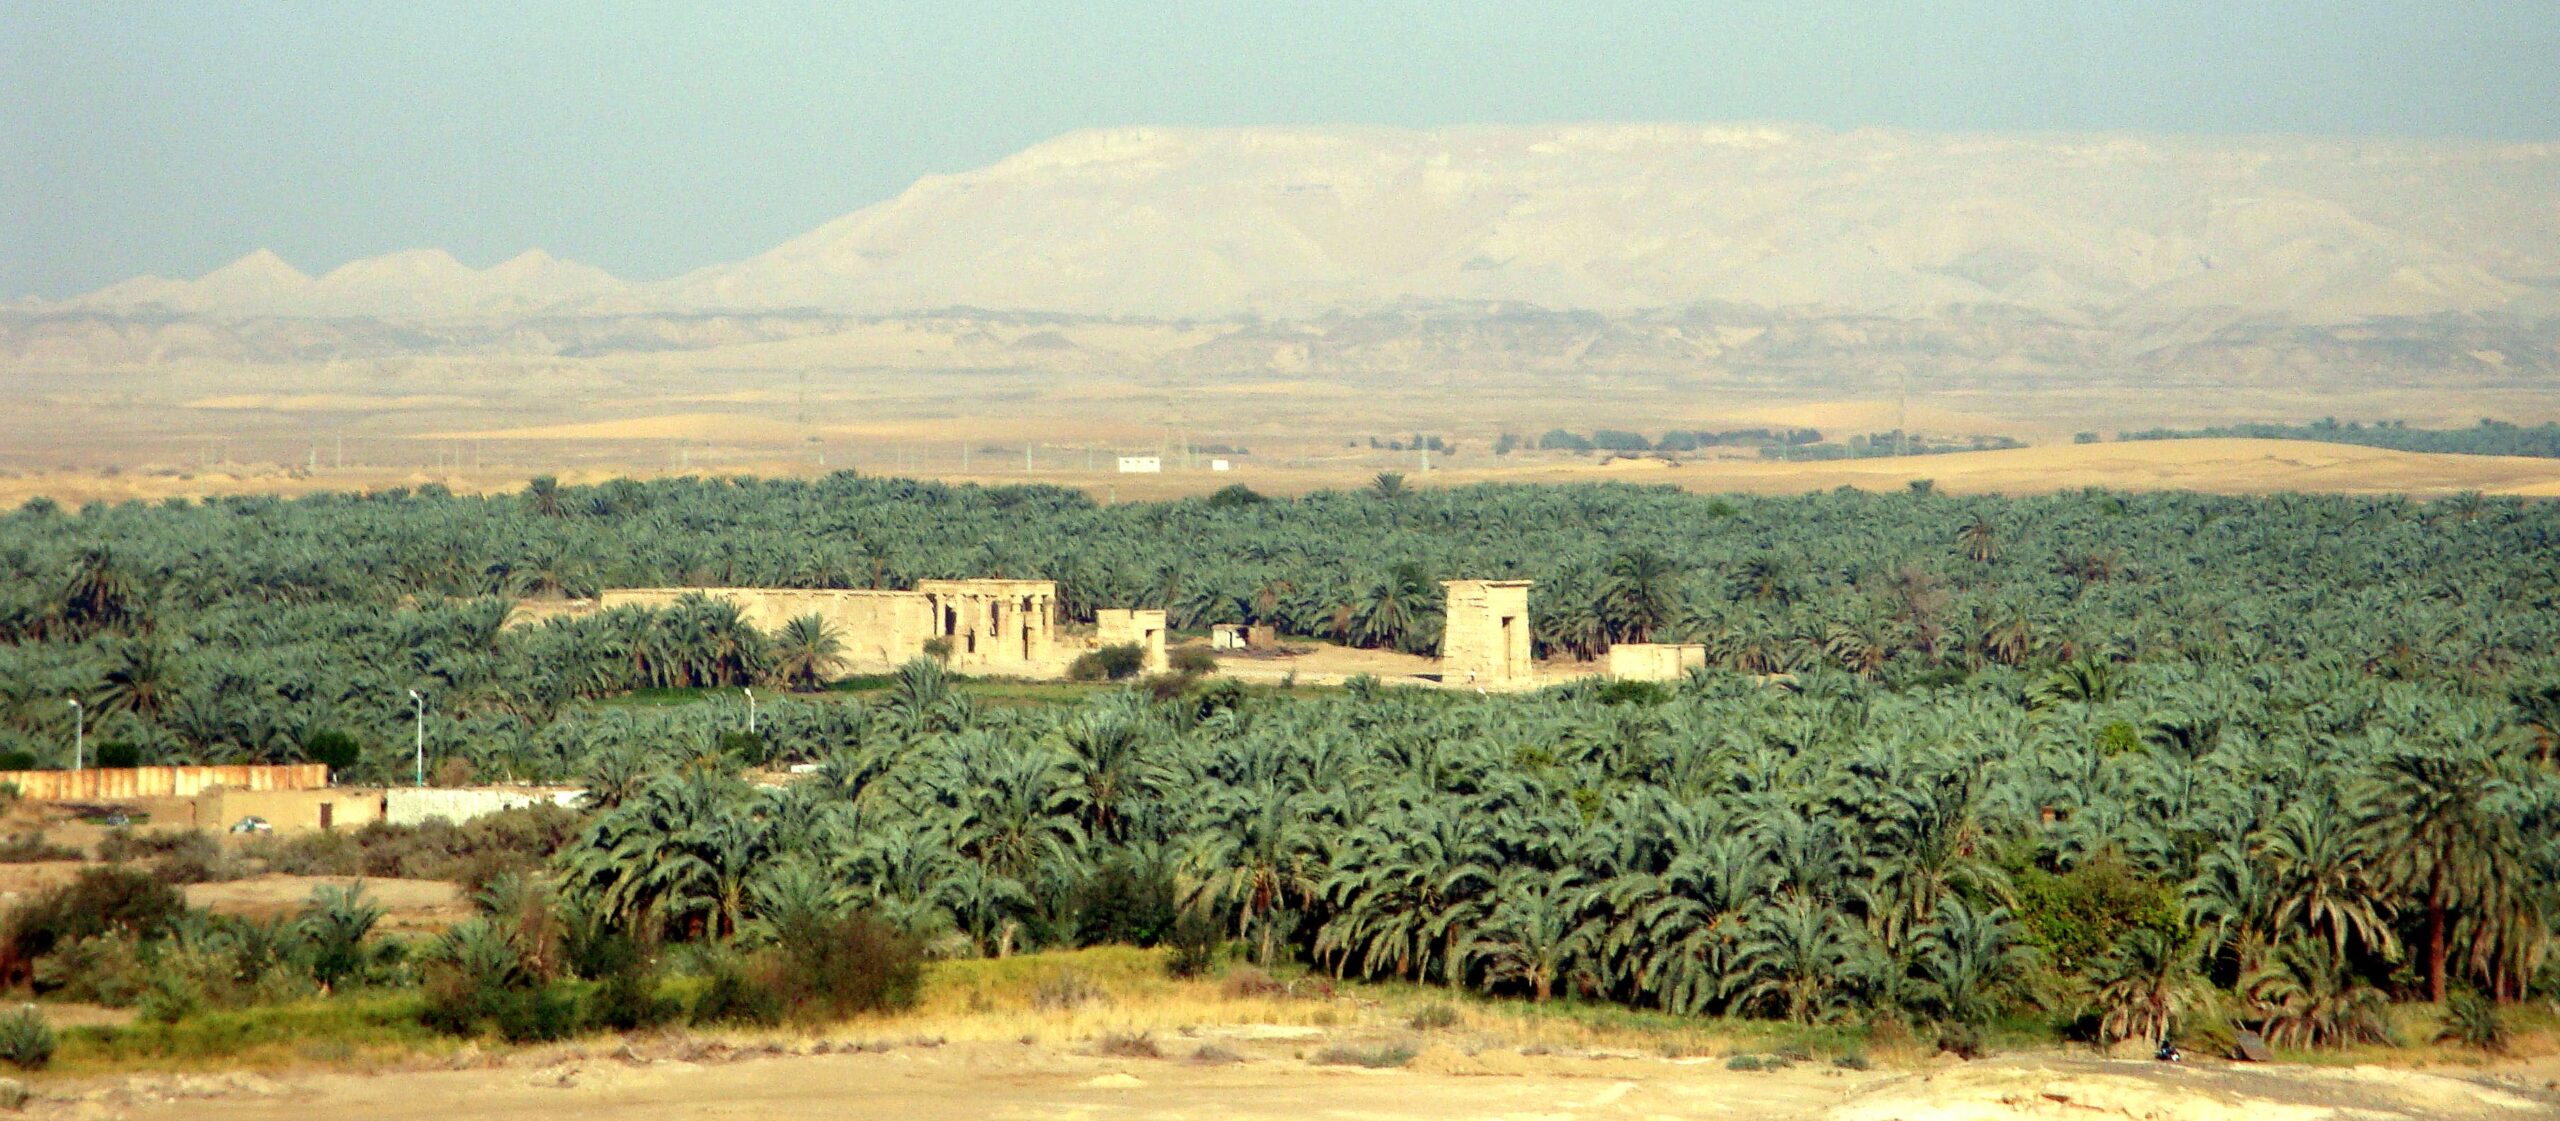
(1218, 465)
(1141, 465)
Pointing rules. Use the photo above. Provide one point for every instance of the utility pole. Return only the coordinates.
(751, 711)
(421, 698)
(79, 732)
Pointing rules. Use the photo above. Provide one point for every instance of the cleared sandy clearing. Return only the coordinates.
(2227, 466)
(973, 1081)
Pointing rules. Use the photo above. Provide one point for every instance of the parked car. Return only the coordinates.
(252, 824)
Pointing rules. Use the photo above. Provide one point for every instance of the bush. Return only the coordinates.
(736, 997)
(1065, 990)
(1197, 938)
(32, 846)
(333, 749)
(118, 754)
(1375, 1058)
(2078, 917)
(1111, 663)
(629, 1001)
(846, 966)
(1248, 983)
(1191, 661)
(1127, 1045)
(26, 1040)
(2471, 1020)
(99, 901)
(1125, 904)
(1435, 1017)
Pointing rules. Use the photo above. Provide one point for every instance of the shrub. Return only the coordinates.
(1065, 990)
(1126, 904)
(2471, 1020)
(1196, 940)
(1127, 1045)
(99, 901)
(1961, 1040)
(2077, 917)
(1191, 661)
(1212, 1053)
(333, 749)
(1249, 983)
(736, 997)
(1746, 1063)
(1434, 1017)
(629, 1001)
(118, 754)
(26, 1040)
(848, 965)
(1375, 1058)
(32, 846)
(1235, 496)
(192, 857)
(1111, 663)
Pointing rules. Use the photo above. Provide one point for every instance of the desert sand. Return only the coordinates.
(922, 1080)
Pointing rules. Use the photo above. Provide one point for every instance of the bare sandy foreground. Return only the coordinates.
(995, 1081)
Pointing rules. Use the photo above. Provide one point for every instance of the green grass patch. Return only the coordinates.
(320, 1031)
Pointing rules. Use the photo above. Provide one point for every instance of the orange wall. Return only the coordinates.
(105, 784)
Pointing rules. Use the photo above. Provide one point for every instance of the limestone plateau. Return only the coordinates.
(1613, 218)
(1779, 249)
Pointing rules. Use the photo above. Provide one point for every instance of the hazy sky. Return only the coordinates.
(171, 137)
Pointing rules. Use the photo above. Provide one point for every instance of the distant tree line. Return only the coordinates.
(1675, 440)
(2489, 437)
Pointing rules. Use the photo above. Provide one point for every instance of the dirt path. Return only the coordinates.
(1015, 1082)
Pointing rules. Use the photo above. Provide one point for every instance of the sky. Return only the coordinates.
(171, 137)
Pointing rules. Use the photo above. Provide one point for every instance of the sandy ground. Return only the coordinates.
(919, 1081)
(2225, 466)
(408, 905)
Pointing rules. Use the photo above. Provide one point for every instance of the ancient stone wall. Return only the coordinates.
(992, 626)
(1486, 635)
(1655, 661)
(1142, 629)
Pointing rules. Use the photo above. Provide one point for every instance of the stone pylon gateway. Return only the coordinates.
(1485, 640)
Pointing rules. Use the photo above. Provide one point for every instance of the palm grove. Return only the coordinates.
(2130, 761)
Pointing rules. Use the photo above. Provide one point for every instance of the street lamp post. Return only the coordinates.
(751, 710)
(422, 734)
(79, 732)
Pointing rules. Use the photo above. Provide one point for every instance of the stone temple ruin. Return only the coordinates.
(1655, 661)
(1002, 627)
(1486, 637)
(1143, 629)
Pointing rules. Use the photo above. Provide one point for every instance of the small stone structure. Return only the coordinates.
(1486, 637)
(1140, 628)
(1226, 636)
(991, 626)
(287, 811)
(413, 805)
(1262, 636)
(1655, 661)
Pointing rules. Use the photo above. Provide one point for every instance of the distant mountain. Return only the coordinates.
(1210, 222)
(416, 284)
(2132, 233)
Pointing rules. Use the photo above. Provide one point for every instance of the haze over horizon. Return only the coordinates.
(171, 139)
